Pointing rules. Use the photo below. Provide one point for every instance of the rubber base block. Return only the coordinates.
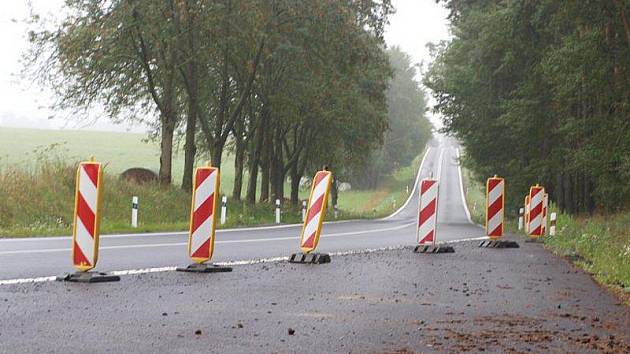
(310, 258)
(204, 268)
(499, 244)
(88, 277)
(433, 249)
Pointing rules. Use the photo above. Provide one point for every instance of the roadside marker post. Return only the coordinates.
(535, 212)
(303, 210)
(223, 209)
(203, 207)
(336, 211)
(495, 209)
(316, 211)
(426, 232)
(544, 214)
(552, 226)
(86, 225)
(520, 218)
(277, 211)
(134, 211)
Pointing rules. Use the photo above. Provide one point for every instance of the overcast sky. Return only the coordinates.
(22, 103)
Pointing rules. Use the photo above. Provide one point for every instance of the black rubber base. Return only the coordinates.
(204, 268)
(535, 240)
(433, 249)
(499, 244)
(310, 258)
(88, 277)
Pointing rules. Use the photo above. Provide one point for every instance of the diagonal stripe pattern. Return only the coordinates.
(85, 235)
(202, 220)
(427, 215)
(316, 208)
(495, 190)
(536, 196)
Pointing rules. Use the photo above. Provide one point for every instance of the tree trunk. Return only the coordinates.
(265, 165)
(166, 151)
(190, 149)
(238, 169)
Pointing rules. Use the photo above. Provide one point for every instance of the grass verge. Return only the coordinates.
(39, 201)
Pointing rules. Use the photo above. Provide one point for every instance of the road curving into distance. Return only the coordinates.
(376, 296)
(26, 258)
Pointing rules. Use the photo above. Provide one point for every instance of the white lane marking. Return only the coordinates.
(172, 244)
(228, 263)
(440, 163)
(415, 187)
(461, 189)
(176, 233)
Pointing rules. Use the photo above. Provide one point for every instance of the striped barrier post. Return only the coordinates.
(426, 232)
(552, 226)
(544, 213)
(526, 214)
(495, 210)
(312, 227)
(495, 203)
(201, 237)
(86, 224)
(536, 197)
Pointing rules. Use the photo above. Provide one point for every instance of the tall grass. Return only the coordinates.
(39, 201)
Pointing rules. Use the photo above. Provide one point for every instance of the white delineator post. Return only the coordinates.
(277, 211)
(336, 211)
(552, 227)
(223, 209)
(520, 218)
(134, 211)
(427, 216)
(303, 210)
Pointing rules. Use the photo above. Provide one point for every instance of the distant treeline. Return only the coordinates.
(539, 91)
(286, 86)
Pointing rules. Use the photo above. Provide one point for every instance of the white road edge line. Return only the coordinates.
(229, 263)
(461, 188)
(415, 186)
(174, 233)
(173, 244)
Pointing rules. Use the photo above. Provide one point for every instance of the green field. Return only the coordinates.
(37, 182)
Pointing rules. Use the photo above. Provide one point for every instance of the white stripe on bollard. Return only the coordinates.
(552, 227)
(520, 218)
(277, 211)
(134, 211)
(223, 209)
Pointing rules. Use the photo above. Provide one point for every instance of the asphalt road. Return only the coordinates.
(44, 257)
(369, 299)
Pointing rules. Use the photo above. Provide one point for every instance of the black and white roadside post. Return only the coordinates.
(223, 209)
(303, 210)
(134, 211)
(277, 211)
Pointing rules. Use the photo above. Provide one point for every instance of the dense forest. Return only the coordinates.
(284, 86)
(539, 92)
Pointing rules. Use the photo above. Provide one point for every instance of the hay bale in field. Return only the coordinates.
(139, 175)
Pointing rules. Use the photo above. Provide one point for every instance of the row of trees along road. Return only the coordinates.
(539, 91)
(285, 86)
